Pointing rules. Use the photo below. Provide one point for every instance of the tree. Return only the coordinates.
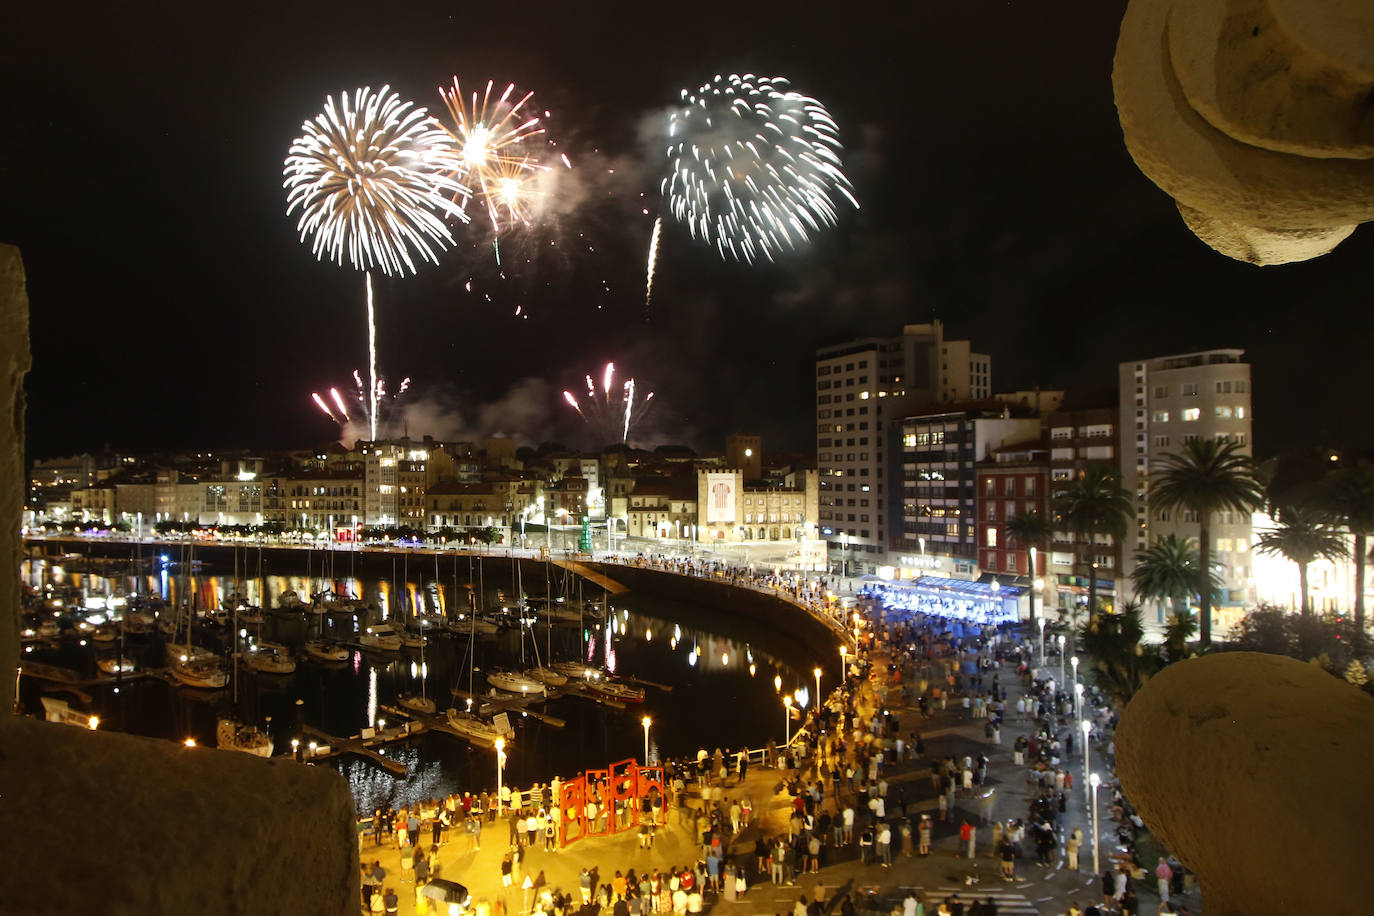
(1348, 494)
(1032, 530)
(1300, 536)
(1169, 570)
(1094, 503)
(1112, 644)
(1206, 477)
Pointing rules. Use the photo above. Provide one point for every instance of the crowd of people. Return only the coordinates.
(846, 800)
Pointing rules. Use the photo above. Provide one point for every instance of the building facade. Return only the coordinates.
(1164, 403)
(863, 390)
(1013, 481)
(939, 453)
(1078, 438)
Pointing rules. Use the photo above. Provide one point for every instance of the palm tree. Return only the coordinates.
(1094, 503)
(1168, 570)
(1300, 536)
(1207, 476)
(1033, 530)
(1349, 495)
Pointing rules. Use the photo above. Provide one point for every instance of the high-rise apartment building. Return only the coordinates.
(863, 387)
(1165, 402)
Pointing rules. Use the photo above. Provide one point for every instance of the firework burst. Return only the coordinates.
(612, 415)
(755, 166)
(374, 179)
(497, 141)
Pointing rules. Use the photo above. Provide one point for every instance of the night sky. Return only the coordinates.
(173, 306)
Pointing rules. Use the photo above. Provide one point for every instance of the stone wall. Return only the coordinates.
(108, 823)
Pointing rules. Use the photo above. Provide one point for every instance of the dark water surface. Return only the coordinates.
(721, 670)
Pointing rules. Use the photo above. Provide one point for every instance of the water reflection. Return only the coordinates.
(721, 669)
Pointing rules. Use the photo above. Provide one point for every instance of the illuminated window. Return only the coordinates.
(1191, 413)
(1160, 416)
(992, 537)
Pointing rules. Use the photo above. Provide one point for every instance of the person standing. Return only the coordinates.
(1165, 876)
(1071, 847)
(885, 844)
(369, 883)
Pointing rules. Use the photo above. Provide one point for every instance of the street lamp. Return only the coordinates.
(1042, 641)
(500, 767)
(1032, 578)
(1094, 781)
(787, 719)
(817, 673)
(1074, 661)
(1086, 727)
(1061, 657)
(1077, 695)
(844, 651)
(777, 683)
(646, 721)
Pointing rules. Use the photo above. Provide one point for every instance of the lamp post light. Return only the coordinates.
(1086, 728)
(1077, 697)
(646, 722)
(1042, 641)
(1094, 781)
(777, 683)
(500, 767)
(844, 651)
(787, 719)
(817, 673)
(1074, 662)
(1061, 657)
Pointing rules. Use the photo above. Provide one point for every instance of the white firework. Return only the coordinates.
(374, 179)
(755, 166)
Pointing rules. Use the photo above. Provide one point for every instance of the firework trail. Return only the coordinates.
(612, 416)
(373, 180)
(369, 398)
(319, 402)
(754, 166)
(653, 264)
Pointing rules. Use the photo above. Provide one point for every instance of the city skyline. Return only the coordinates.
(996, 195)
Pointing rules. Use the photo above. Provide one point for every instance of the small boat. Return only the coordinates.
(200, 672)
(614, 690)
(547, 676)
(235, 736)
(468, 724)
(512, 682)
(55, 710)
(105, 633)
(112, 665)
(382, 637)
(467, 623)
(325, 652)
(412, 640)
(49, 629)
(577, 670)
(138, 623)
(270, 658)
(422, 705)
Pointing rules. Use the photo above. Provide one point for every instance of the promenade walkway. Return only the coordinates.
(874, 889)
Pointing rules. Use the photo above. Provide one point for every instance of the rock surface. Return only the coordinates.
(1253, 769)
(110, 823)
(14, 365)
(1257, 133)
